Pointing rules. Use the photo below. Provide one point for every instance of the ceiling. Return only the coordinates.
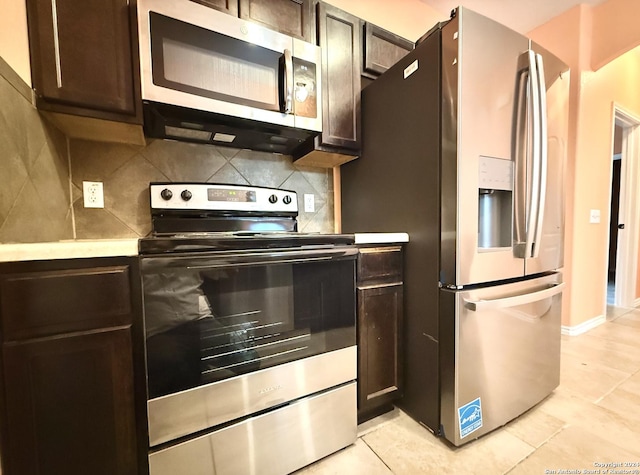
(520, 15)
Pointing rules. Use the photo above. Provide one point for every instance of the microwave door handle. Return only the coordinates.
(543, 162)
(287, 86)
(534, 91)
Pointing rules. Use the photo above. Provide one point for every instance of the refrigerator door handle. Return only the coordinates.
(532, 218)
(542, 162)
(506, 302)
(522, 108)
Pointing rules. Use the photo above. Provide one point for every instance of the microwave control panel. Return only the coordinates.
(304, 92)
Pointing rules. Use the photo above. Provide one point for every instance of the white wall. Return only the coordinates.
(14, 39)
(407, 18)
(584, 36)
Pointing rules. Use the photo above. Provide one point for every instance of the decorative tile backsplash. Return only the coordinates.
(34, 172)
(126, 172)
(42, 173)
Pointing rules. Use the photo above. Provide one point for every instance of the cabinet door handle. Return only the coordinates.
(56, 42)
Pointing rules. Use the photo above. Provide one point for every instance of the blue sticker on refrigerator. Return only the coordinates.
(470, 417)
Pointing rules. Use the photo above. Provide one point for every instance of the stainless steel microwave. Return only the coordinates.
(210, 77)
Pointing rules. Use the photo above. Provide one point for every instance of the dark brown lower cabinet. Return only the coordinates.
(380, 311)
(70, 405)
(72, 378)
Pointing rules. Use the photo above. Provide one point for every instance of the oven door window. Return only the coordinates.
(197, 61)
(206, 323)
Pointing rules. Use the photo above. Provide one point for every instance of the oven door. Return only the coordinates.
(232, 333)
(196, 57)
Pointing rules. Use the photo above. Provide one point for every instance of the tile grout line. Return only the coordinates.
(73, 213)
(376, 454)
(627, 310)
(15, 203)
(116, 217)
(535, 449)
(599, 400)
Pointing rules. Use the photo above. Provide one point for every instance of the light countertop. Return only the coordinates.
(381, 238)
(71, 249)
(75, 249)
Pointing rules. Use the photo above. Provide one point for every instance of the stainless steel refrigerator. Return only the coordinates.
(464, 148)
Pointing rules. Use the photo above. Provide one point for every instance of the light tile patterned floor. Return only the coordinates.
(592, 418)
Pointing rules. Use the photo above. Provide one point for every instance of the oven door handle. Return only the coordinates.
(287, 257)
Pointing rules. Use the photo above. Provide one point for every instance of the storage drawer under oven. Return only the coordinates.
(198, 409)
(280, 441)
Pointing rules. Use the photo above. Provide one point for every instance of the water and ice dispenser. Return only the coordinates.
(495, 202)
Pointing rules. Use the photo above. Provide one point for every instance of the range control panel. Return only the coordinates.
(206, 196)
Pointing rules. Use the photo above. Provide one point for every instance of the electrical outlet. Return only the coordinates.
(594, 216)
(93, 194)
(309, 205)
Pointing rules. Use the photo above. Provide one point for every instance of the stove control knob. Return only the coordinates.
(166, 194)
(287, 199)
(186, 195)
(273, 199)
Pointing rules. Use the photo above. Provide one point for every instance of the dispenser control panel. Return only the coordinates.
(495, 174)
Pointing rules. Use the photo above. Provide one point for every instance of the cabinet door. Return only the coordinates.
(291, 17)
(382, 49)
(81, 53)
(226, 6)
(70, 405)
(379, 346)
(339, 35)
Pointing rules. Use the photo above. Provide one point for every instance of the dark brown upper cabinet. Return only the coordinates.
(82, 54)
(339, 36)
(227, 6)
(84, 63)
(382, 49)
(295, 18)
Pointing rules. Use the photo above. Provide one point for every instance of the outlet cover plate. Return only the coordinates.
(594, 216)
(309, 203)
(93, 194)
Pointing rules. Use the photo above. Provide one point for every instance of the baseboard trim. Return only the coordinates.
(584, 326)
(636, 302)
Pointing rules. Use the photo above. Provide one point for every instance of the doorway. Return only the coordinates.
(622, 270)
(614, 208)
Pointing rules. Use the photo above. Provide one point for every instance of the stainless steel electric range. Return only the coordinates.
(250, 333)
